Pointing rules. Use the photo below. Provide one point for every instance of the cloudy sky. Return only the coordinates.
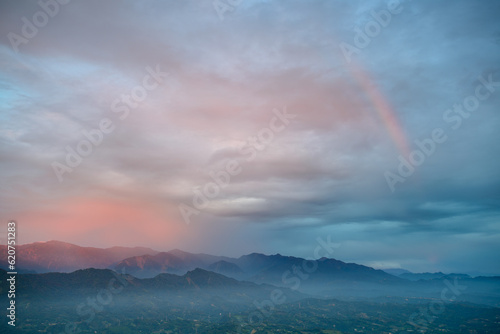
(372, 123)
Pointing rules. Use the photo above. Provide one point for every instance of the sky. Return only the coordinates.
(231, 127)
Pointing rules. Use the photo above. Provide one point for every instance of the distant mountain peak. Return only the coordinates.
(180, 253)
(225, 267)
(197, 271)
(177, 251)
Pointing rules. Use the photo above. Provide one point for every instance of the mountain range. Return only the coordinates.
(63, 262)
(56, 256)
(86, 281)
(201, 301)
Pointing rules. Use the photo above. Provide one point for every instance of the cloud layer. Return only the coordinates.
(221, 85)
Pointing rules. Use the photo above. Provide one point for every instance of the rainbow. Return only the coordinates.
(383, 107)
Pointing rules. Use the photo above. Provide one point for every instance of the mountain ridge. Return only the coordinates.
(51, 256)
